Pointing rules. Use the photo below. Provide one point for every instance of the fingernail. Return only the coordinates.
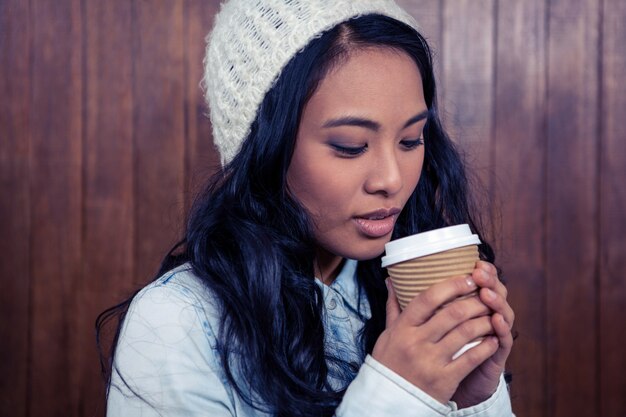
(470, 282)
(490, 294)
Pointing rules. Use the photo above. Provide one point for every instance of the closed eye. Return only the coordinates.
(412, 144)
(349, 151)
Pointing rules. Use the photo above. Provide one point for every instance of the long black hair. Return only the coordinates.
(251, 241)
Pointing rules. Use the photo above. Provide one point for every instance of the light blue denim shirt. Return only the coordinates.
(167, 354)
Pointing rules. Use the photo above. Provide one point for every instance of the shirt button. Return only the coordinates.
(332, 304)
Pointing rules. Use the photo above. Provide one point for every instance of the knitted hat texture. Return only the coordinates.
(250, 44)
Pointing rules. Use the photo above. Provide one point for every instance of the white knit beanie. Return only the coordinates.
(250, 44)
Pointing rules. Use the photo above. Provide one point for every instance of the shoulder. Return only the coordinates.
(166, 357)
(174, 307)
(180, 282)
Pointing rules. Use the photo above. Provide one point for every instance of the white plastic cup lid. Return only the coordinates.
(427, 243)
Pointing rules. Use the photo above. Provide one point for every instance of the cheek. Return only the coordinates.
(412, 171)
(310, 184)
(416, 175)
(323, 193)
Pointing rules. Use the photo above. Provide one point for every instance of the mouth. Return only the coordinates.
(377, 224)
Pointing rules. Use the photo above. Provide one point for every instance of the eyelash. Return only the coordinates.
(349, 151)
(412, 144)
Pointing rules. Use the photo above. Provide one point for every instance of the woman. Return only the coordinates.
(275, 302)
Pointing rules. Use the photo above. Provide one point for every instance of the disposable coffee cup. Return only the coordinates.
(416, 262)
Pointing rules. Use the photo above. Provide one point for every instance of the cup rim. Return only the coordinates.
(427, 243)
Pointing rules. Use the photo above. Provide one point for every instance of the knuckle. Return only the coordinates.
(485, 323)
(474, 356)
(461, 285)
(476, 305)
(466, 330)
(486, 266)
(456, 311)
(427, 298)
(477, 355)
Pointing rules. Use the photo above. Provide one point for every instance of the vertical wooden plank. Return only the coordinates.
(201, 157)
(572, 206)
(158, 131)
(468, 79)
(428, 15)
(14, 204)
(466, 94)
(107, 268)
(613, 204)
(520, 190)
(56, 197)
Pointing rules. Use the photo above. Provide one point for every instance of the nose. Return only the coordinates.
(384, 175)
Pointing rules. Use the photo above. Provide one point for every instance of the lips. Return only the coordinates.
(377, 223)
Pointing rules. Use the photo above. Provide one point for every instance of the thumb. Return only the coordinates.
(393, 307)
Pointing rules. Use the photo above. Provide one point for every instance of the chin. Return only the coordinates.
(368, 251)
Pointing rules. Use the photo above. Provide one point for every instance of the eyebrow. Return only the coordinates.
(370, 124)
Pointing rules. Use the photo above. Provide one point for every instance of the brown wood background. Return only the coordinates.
(103, 141)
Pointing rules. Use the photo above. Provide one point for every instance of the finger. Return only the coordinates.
(486, 275)
(468, 331)
(498, 304)
(505, 339)
(393, 307)
(424, 305)
(495, 364)
(453, 315)
(474, 357)
(487, 267)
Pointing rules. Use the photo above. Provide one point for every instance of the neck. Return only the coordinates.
(327, 266)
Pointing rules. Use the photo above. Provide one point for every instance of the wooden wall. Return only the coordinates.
(103, 142)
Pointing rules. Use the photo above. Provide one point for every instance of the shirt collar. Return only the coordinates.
(346, 285)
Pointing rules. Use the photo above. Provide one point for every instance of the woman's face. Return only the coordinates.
(359, 151)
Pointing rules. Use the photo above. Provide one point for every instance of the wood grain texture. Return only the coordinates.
(572, 207)
(612, 291)
(428, 15)
(520, 191)
(467, 89)
(201, 157)
(56, 206)
(107, 267)
(159, 132)
(14, 205)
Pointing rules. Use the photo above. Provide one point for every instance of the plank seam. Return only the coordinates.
(599, 246)
(548, 409)
(30, 308)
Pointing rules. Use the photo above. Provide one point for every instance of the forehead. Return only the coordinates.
(378, 83)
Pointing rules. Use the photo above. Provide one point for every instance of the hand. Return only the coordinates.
(419, 342)
(481, 383)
